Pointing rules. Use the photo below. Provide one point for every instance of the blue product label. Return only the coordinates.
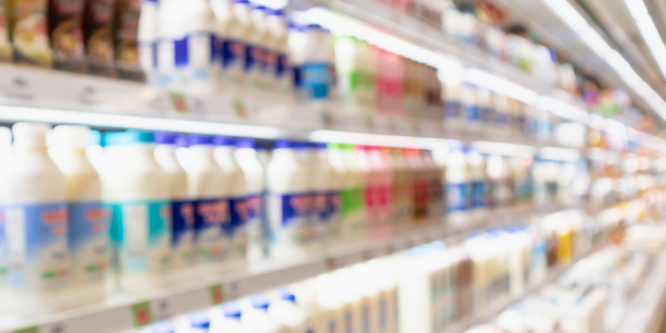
(297, 76)
(197, 52)
(282, 66)
(233, 60)
(296, 208)
(458, 197)
(293, 219)
(270, 66)
(88, 227)
(212, 221)
(479, 194)
(140, 235)
(254, 58)
(487, 114)
(239, 216)
(472, 113)
(182, 232)
(316, 81)
(38, 254)
(453, 109)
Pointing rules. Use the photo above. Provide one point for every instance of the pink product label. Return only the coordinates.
(378, 198)
(389, 93)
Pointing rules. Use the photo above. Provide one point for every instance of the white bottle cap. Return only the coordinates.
(70, 136)
(30, 135)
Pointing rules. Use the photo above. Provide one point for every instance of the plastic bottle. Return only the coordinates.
(230, 48)
(402, 192)
(208, 185)
(383, 170)
(371, 189)
(501, 187)
(236, 188)
(316, 78)
(254, 56)
(197, 322)
(256, 319)
(345, 184)
(171, 24)
(266, 55)
(289, 314)
(36, 224)
(471, 107)
(200, 26)
(459, 189)
(289, 203)
(148, 34)
(484, 99)
(182, 208)
(479, 180)
(349, 63)
(95, 151)
(5, 155)
(420, 185)
(136, 191)
(435, 181)
(297, 40)
(88, 222)
(255, 180)
(277, 26)
(326, 195)
(354, 208)
(229, 321)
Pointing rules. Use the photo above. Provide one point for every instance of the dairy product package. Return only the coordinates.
(182, 208)
(148, 33)
(29, 32)
(98, 36)
(136, 190)
(230, 47)
(255, 182)
(317, 78)
(125, 39)
(277, 26)
(36, 225)
(66, 35)
(88, 221)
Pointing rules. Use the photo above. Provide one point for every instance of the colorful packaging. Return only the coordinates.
(64, 17)
(98, 36)
(29, 32)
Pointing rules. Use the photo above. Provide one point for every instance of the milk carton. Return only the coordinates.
(88, 222)
(136, 190)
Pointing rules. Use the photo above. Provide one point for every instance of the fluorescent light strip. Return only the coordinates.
(504, 149)
(589, 36)
(649, 31)
(345, 26)
(18, 113)
(378, 139)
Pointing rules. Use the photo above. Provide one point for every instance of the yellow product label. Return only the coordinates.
(564, 246)
(29, 31)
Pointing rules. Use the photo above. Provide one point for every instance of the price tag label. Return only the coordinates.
(232, 291)
(89, 95)
(216, 294)
(179, 102)
(20, 86)
(141, 314)
(161, 310)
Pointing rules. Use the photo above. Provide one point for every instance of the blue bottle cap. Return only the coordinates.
(221, 140)
(287, 295)
(260, 302)
(164, 138)
(127, 137)
(200, 320)
(182, 141)
(245, 143)
(200, 139)
(162, 327)
(231, 310)
(282, 143)
(94, 138)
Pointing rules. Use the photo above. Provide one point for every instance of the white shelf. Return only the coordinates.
(117, 313)
(645, 312)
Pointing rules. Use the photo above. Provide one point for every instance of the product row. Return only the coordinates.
(423, 290)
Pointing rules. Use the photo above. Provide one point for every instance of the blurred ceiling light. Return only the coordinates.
(589, 36)
(106, 120)
(649, 31)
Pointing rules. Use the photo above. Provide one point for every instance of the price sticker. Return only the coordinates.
(161, 310)
(141, 314)
(89, 95)
(20, 87)
(216, 294)
(179, 102)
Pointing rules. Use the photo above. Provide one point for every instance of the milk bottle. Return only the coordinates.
(230, 321)
(277, 26)
(289, 203)
(266, 55)
(5, 155)
(254, 55)
(479, 180)
(208, 185)
(345, 182)
(421, 186)
(148, 34)
(136, 192)
(237, 193)
(35, 214)
(403, 191)
(317, 81)
(182, 207)
(355, 226)
(230, 47)
(297, 40)
(471, 108)
(95, 151)
(349, 62)
(458, 189)
(255, 181)
(172, 32)
(257, 320)
(287, 312)
(88, 222)
(326, 194)
(383, 190)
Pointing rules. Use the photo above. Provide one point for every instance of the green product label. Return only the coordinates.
(352, 200)
(141, 314)
(139, 234)
(361, 79)
(216, 294)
